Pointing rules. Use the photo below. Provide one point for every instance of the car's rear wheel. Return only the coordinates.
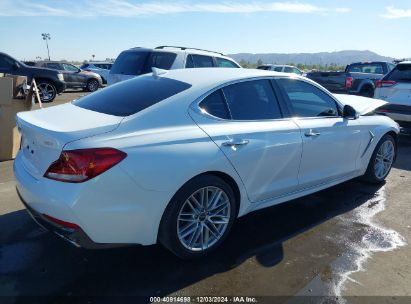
(199, 217)
(47, 91)
(92, 85)
(367, 92)
(381, 160)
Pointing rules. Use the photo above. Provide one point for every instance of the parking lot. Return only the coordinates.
(348, 240)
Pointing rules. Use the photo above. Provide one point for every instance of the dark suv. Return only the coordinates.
(74, 77)
(49, 82)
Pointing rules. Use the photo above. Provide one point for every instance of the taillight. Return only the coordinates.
(384, 83)
(348, 82)
(77, 166)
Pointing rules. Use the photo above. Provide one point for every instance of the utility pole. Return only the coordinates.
(46, 37)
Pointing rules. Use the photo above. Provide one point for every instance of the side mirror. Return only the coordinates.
(349, 112)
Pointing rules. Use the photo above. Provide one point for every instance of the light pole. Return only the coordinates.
(46, 37)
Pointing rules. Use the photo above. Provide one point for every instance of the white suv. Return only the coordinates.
(280, 68)
(138, 61)
(395, 88)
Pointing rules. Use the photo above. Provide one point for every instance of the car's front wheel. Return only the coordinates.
(381, 160)
(199, 217)
(47, 91)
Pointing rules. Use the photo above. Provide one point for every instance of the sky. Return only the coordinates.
(81, 28)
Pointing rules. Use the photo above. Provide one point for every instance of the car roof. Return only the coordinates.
(99, 62)
(405, 62)
(212, 77)
(178, 50)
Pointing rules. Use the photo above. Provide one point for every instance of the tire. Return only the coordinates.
(191, 232)
(367, 92)
(92, 85)
(381, 160)
(47, 91)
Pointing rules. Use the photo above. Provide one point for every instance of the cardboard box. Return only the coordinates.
(9, 107)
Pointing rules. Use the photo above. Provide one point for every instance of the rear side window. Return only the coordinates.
(252, 100)
(278, 69)
(161, 60)
(214, 104)
(307, 100)
(199, 61)
(54, 66)
(130, 63)
(130, 97)
(401, 73)
(224, 63)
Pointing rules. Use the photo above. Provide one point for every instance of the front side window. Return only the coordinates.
(306, 100)
(224, 63)
(252, 100)
(288, 70)
(214, 104)
(278, 69)
(69, 67)
(401, 73)
(130, 97)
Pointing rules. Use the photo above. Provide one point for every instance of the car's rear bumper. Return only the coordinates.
(107, 212)
(75, 236)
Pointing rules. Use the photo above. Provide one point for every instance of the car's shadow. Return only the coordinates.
(403, 161)
(33, 262)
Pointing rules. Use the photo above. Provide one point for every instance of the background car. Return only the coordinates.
(358, 78)
(180, 155)
(74, 77)
(102, 68)
(280, 68)
(137, 61)
(395, 88)
(49, 82)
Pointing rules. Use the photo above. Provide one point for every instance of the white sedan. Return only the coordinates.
(176, 156)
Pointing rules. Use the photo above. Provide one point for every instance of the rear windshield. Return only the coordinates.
(129, 97)
(141, 62)
(373, 68)
(401, 73)
(130, 63)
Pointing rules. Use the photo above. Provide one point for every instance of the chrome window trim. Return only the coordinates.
(195, 105)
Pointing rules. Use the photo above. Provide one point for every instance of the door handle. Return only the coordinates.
(236, 142)
(311, 133)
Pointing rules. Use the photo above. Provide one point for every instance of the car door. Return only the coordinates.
(246, 121)
(77, 78)
(331, 143)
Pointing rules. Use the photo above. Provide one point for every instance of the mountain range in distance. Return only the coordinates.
(322, 58)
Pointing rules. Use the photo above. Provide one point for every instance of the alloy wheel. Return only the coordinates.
(384, 159)
(203, 218)
(46, 92)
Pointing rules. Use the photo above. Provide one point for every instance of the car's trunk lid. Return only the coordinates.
(362, 105)
(45, 132)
